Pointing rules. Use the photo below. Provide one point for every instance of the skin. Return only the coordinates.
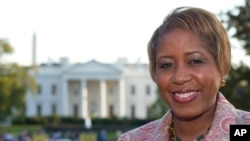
(185, 67)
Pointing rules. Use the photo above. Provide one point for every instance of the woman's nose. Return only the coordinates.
(181, 75)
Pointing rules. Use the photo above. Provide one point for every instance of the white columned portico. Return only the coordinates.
(103, 99)
(65, 100)
(84, 100)
(122, 98)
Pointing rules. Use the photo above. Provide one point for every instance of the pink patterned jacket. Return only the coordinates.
(225, 115)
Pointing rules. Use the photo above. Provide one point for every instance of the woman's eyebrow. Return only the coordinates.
(193, 52)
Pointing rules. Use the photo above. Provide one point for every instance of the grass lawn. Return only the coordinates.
(111, 136)
(16, 129)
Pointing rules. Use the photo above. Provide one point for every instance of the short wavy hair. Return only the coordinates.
(201, 23)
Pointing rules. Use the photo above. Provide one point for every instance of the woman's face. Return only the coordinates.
(186, 74)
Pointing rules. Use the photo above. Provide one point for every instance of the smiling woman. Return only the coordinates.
(186, 75)
(189, 55)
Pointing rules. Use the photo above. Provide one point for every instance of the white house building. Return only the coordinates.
(92, 89)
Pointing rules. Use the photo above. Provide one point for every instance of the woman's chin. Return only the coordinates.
(186, 116)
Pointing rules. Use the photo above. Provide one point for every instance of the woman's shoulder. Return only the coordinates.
(225, 111)
(242, 117)
(143, 132)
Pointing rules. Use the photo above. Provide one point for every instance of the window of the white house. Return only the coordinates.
(53, 109)
(132, 111)
(75, 91)
(132, 89)
(39, 110)
(148, 111)
(147, 89)
(111, 110)
(75, 110)
(111, 90)
(53, 89)
(39, 89)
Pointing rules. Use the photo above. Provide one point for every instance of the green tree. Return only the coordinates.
(237, 89)
(14, 83)
(239, 20)
(5, 47)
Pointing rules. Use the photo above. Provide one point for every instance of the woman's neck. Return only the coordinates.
(192, 129)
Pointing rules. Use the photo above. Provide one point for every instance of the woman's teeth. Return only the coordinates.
(185, 95)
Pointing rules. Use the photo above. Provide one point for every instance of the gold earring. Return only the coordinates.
(223, 83)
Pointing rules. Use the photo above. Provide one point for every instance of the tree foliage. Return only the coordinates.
(237, 89)
(239, 19)
(5, 47)
(14, 82)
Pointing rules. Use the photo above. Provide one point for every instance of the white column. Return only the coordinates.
(65, 100)
(122, 99)
(31, 105)
(103, 99)
(84, 100)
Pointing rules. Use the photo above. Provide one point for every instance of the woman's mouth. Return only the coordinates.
(185, 96)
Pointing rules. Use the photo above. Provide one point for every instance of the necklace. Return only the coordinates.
(173, 137)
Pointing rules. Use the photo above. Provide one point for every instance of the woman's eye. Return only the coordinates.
(166, 65)
(196, 61)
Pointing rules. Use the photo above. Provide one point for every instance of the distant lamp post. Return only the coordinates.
(87, 123)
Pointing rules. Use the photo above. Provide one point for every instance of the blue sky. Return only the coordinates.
(90, 29)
